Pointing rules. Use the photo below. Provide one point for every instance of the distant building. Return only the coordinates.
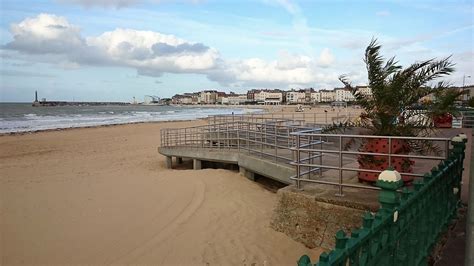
(237, 99)
(251, 95)
(301, 96)
(343, 95)
(222, 98)
(364, 90)
(187, 98)
(307, 95)
(268, 97)
(468, 93)
(295, 97)
(316, 97)
(276, 96)
(208, 97)
(327, 96)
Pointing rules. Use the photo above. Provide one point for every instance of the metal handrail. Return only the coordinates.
(303, 117)
(301, 148)
(296, 145)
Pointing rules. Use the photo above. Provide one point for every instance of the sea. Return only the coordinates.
(23, 117)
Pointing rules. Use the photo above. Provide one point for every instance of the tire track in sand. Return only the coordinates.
(158, 238)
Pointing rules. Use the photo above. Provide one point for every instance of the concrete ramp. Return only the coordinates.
(249, 165)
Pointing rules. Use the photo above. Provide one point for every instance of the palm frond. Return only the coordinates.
(424, 147)
(396, 94)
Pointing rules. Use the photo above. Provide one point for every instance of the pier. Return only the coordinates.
(66, 103)
(44, 102)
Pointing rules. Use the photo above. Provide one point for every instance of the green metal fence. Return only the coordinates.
(409, 222)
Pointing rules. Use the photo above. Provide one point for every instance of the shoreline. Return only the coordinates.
(268, 109)
(20, 133)
(31, 131)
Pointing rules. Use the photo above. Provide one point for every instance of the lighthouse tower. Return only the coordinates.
(36, 102)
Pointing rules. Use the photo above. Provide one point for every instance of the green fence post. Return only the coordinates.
(389, 181)
(323, 259)
(304, 261)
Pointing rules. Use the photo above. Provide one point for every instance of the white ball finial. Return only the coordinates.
(390, 176)
(456, 139)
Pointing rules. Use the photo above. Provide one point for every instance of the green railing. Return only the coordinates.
(409, 222)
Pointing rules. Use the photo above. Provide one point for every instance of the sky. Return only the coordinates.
(114, 50)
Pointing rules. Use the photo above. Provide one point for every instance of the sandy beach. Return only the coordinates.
(103, 196)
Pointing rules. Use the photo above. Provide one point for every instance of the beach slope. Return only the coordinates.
(103, 196)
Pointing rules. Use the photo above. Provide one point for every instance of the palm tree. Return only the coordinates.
(395, 107)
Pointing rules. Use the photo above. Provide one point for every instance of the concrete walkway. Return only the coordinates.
(459, 246)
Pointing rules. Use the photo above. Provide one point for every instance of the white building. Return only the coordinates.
(269, 97)
(327, 95)
(316, 97)
(344, 95)
(223, 100)
(208, 97)
(364, 90)
(295, 97)
(182, 99)
(237, 99)
(186, 100)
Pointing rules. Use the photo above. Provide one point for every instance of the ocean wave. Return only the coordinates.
(37, 122)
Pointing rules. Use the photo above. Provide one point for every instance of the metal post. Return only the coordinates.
(320, 157)
(261, 139)
(275, 143)
(389, 152)
(340, 193)
(311, 155)
(238, 137)
(446, 146)
(298, 185)
(248, 137)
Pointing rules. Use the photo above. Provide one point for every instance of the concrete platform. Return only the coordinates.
(273, 170)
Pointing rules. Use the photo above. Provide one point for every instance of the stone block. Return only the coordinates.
(314, 220)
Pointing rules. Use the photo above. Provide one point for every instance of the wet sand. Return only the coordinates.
(103, 196)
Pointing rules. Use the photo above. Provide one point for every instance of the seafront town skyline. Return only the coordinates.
(269, 96)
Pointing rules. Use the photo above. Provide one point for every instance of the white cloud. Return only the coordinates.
(52, 39)
(154, 51)
(383, 13)
(102, 3)
(288, 70)
(326, 58)
(151, 53)
(118, 3)
(45, 34)
(291, 7)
